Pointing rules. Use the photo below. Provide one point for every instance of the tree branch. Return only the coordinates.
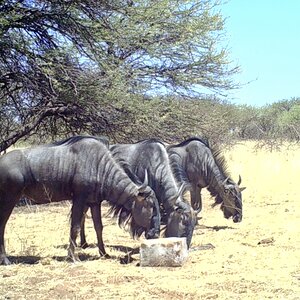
(30, 127)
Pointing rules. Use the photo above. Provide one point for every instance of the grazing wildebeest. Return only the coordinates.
(80, 169)
(195, 163)
(151, 155)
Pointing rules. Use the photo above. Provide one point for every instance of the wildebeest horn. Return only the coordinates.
(181, 190)
(240, 180)
(145, 183)
(225, 181)
(184, 206)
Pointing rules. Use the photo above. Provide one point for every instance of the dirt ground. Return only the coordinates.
(256, 259)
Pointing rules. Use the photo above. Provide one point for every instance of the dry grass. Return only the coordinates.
(256, 259)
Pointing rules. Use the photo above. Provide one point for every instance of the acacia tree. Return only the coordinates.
(87, 66)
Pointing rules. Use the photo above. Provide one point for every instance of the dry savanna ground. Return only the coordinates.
(256, 259)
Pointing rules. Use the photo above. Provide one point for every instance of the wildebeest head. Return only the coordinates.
(181, 221)
(232, 205)
(145, 210)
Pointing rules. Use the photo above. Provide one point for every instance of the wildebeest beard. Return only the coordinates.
(123, 214)
(125, 220)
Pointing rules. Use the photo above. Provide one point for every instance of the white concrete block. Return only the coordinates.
(163, 252)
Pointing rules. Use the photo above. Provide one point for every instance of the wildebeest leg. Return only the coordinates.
(96, 215)
(83, 242)
(76, 218)
(6, 208)
(196, 200)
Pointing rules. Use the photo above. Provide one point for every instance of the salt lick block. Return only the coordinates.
(164, 252)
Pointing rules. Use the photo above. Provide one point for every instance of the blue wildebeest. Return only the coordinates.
(195, 163)
(151, 155)
(80, 169)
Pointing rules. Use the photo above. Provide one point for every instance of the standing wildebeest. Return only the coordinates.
(151, 155)
(80, 169)
(195, 163)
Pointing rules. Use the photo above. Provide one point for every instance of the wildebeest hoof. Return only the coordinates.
(84, 245)
(126, 260)
(73, 258)
(5, 261)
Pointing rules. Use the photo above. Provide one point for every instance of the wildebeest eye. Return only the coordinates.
(226, 191)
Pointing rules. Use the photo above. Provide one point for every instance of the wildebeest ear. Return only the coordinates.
(242, 188)
(226, 190)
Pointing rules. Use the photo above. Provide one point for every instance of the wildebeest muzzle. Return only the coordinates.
(181, 222)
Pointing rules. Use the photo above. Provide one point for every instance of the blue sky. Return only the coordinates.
(263, 37)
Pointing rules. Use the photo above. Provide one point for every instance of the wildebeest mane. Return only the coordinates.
(150, 141)
(221, 163)
(74, 139)
(187, 141)
(220, 160)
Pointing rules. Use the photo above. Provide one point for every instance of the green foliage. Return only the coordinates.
(291, 117)
(94, 66)
(125, 69)
(278, 121)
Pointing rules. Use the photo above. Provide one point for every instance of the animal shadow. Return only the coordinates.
(66, 246)
(82, 257)
(26, 260)
(127, 258)
(216, 228)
